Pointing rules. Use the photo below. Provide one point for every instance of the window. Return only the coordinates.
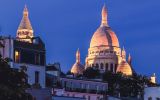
(97, 66)
(36, 77)
(37, 58)
(101, 65)
(150, 98)
(111, 51)
(115, 67)
(111, 66)
(106, 66)
(98, 98)
(101, 51)
(106, 51)
(17, 56)
(89, 97)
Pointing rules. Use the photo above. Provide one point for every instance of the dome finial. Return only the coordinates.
(25, 11)
(78, 56)
(123, 54)
(129, 59)
(104, 16)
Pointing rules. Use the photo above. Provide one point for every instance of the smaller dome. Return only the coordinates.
(124, 68)
(77, 68)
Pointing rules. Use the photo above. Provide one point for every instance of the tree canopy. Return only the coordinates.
(126, 85)
(12, 82)
(91, 73)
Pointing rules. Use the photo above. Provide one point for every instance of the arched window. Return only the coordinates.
(106, 66)
(97, 66)
(115, 67)
(102, 66)
(106, 51)
(111, 66)
(92, 65)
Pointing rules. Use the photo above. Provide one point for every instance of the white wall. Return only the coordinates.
(153, 92)
(31, 69)
(8, 52)
(87, 96)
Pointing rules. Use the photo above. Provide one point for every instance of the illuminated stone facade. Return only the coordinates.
(104, 52)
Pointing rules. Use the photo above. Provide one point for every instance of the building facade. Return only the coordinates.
(105, 52)
(87, 89)
(81, 85)
(152, 93)
(27, 51)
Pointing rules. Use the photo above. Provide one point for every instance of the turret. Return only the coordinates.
(153, 78)
(78, 56)
(123, 54)
(104, 16)
(25, 31)
(77, 68)
(129, 59)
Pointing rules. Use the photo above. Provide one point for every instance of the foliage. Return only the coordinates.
(13, 83)
(36, 86)
(69, 73)
(126, 85)
(91, 73)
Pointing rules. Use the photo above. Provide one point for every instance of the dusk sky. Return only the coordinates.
(65, 25)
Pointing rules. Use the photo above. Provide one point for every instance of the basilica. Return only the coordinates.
(27, 52)
(104, 53)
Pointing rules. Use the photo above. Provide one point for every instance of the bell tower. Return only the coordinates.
(25, 31)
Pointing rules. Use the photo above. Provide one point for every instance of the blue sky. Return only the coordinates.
(65, 25)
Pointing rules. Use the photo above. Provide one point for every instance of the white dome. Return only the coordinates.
(124, 68)
(104, 36)
(77, 68)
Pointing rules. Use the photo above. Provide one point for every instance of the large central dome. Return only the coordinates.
(104, 36)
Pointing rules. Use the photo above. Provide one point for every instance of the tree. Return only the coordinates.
(69, 73)
(12, 83)
(126, 85)
(91, 73)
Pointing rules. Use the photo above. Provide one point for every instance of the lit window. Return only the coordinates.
(17, 56)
